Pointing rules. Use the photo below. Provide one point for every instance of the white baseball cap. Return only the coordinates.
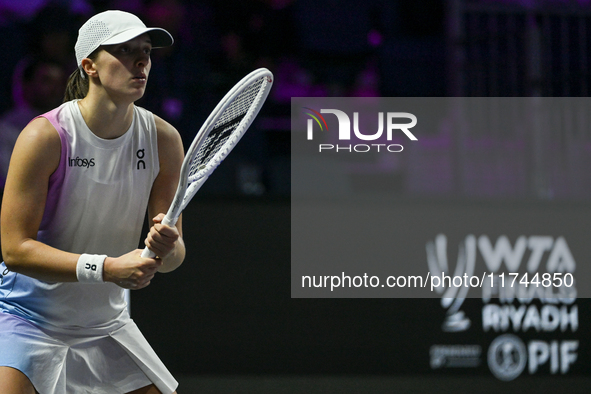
(115, 27)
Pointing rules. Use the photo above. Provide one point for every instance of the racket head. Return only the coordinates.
(220, 133)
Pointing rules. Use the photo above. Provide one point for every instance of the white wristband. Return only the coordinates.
(90, 268)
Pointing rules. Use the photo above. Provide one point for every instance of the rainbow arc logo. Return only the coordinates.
(315, 116)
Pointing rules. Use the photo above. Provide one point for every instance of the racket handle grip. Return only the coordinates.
(147, 253)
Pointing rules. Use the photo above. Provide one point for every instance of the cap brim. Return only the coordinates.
(159, 37)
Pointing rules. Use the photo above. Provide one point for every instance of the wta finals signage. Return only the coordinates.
(540, 300)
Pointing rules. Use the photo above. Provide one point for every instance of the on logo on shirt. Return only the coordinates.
(140, 155)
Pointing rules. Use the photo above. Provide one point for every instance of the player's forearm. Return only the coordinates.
(40, 261)
(175, 258)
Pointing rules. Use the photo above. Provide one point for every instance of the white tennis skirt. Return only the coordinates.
(119, 362)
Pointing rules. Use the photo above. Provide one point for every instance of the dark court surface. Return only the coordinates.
(379, 385)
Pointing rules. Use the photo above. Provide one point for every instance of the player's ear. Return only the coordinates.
(89, 67)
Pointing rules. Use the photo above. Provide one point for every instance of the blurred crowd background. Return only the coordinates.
(389, 48)
(326, 48)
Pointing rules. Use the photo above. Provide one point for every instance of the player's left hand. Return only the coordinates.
(162, 238)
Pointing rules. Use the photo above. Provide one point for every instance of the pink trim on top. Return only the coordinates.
(56, 180)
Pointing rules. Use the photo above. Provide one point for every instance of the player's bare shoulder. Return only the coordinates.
(169, 139)
(41, 131)
(39, 141)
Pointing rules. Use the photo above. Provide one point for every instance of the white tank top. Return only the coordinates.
(96, 204)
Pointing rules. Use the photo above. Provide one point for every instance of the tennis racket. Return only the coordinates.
(217, 137)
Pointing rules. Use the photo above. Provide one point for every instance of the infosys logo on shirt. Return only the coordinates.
(80, 162)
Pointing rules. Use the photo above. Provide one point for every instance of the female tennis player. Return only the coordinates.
(80, 181)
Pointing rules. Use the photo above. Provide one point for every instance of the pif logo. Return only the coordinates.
(391, 120)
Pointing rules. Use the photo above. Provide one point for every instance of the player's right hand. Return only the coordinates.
(130, 271)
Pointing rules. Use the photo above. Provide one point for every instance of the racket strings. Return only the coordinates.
(224, 127)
